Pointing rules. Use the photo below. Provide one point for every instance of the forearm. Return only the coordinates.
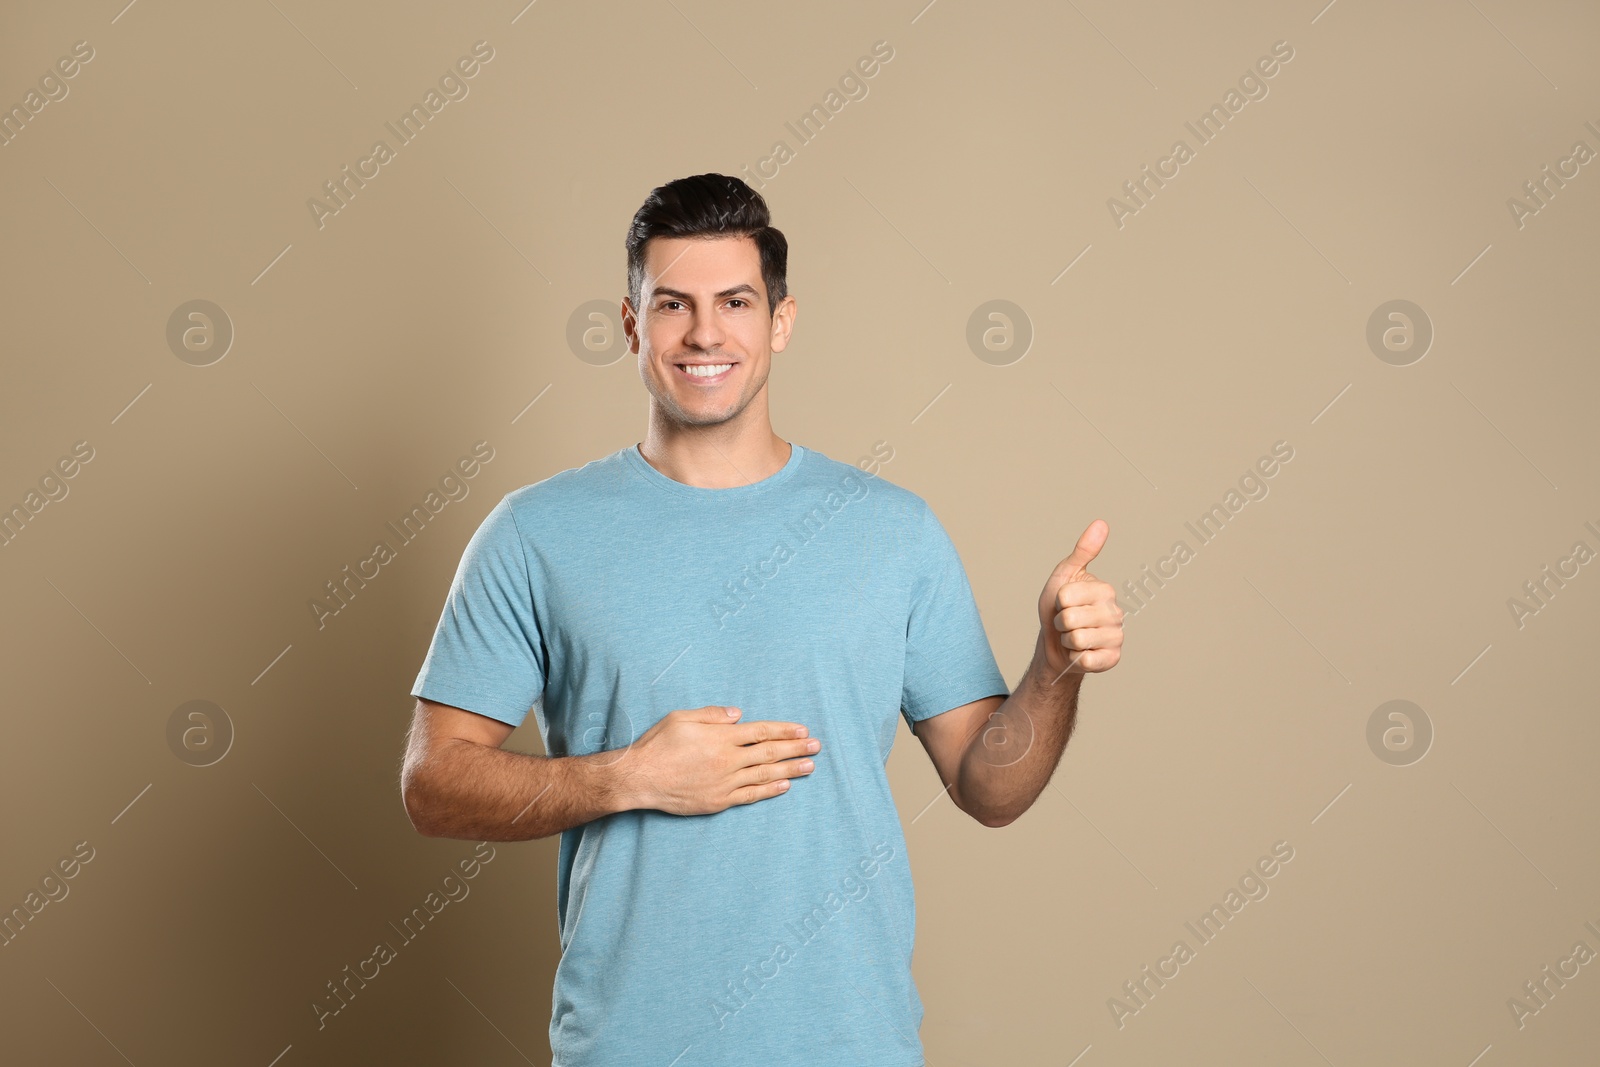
(1011, 757)
(475, 792)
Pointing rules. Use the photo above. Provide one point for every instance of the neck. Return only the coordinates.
(714, 457)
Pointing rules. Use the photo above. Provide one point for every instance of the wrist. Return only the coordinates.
(1050, 662)
(611, 779)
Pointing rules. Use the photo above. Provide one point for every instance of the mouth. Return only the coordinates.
(705, 373)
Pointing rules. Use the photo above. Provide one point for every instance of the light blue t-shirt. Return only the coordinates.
(775, 933)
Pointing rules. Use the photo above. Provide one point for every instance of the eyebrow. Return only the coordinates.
(662, 290)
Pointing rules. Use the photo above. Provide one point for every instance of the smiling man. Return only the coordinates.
(717, 631)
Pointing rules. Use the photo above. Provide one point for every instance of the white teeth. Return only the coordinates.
(708, 371)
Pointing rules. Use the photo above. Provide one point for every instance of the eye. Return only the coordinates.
(664, 303)
(737, 300)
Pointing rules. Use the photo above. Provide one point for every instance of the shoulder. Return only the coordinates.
(566, 492)
(863, 487)
(857, 479)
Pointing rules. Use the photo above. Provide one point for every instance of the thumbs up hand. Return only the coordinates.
(1079, 620)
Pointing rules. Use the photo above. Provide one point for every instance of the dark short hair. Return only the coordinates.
(709, 206)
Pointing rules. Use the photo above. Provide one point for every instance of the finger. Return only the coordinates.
(775, 751)
(710, 713)
(1088, 546)
(751, 793)
(1091, 592)
(765, 773)
(751, 732)
(1094, 660)
(1093, 637)
(1085, 615)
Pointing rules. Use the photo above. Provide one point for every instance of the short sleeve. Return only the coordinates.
(487, 654)
(948, 659)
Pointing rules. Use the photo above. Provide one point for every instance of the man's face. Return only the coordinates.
(703, 332)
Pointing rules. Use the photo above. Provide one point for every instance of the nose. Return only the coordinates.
(705, 331)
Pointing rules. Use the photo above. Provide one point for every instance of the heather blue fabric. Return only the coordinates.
(605, 596)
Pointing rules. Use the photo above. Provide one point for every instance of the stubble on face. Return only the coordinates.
(701, 267)
(706, 413)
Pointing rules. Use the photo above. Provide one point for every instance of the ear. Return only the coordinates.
(783, 323)
(630, 325)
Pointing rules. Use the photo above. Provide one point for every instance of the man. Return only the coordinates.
(717, 630)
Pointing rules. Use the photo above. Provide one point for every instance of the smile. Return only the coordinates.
(709, 373)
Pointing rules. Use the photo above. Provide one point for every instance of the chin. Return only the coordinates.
(707, 413)
(705, 418)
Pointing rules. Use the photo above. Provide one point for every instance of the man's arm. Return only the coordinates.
(996, 755)
(456, 780)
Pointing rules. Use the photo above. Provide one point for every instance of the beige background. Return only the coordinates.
(1229, 313)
